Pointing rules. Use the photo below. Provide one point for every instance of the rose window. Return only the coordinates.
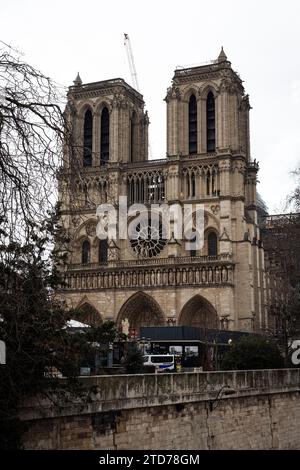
(148, 240)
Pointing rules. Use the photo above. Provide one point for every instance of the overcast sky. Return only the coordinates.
(260, 37)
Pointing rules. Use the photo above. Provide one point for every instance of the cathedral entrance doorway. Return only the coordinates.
(200, 313)
(141, 310)
(89, 315)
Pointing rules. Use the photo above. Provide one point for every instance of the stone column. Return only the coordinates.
(114, 134)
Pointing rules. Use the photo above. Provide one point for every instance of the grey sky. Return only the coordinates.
(260, 38)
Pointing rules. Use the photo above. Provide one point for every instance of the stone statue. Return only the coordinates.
(125, 326)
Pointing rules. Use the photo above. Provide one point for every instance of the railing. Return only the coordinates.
(103, 84)
(119, 392)
(198, 64)
(281, 219)
(211, 65)
(143, 163)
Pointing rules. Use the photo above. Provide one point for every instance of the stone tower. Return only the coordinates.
(109, 122)
(208, 162)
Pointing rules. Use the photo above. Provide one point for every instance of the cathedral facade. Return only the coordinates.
(159, 281)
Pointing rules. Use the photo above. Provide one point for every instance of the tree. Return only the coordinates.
(134, 362)
(101, 339)
(285, 310)
(32, 134)
(281, 238)
(253, 352)
(33, 326)
(294, 198)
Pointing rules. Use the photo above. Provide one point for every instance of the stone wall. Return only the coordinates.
(231, 410)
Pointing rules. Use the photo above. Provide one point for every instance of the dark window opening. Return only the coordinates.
(210, 123)
(188, 184)
(208, 183)
(87, 138)
(85, 254)
(103, 249)
(192, 125)
(193, 252)
(193, 193)
(212, 243)
(104, 151)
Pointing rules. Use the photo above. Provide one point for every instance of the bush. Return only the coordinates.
(252, 352)
(134, 363)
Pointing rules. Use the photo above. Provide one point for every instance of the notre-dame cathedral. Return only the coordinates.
(160, 282)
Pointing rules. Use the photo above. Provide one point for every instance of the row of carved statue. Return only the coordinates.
(220, 274)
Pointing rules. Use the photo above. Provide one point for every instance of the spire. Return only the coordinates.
(222, 56)
(77, 81)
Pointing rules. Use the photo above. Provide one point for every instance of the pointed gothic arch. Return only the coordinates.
(85, 252)
(212, 243)
(141, 310)
(88, 314)
(200, 313)
(103, 251)
(209, 87)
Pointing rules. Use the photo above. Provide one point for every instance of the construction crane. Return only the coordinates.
(133, 73)
(131, 62)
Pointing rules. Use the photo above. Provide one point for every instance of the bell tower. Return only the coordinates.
(109, 122)
(207, 110)
(208, 153)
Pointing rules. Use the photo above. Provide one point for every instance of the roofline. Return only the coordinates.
(113, 82)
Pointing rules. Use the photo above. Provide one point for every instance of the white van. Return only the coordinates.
(161, 362)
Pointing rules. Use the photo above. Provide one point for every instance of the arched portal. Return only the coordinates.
(200, 313)
(89, 315)
(141, 310)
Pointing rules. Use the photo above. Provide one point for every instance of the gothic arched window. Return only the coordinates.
(192, 125)
(133, 137)
(103, 248)
(188, 184)
(213, 183)
(86, 251)
(212, 243)
(208, 183)
(87, 138)
(104, 150)
(193, 184)
(210, 123)
(193, 252)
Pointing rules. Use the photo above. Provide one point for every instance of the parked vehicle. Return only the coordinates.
(162, 363)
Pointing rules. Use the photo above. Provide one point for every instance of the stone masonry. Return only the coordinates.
(208, 162)
(257, 410)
